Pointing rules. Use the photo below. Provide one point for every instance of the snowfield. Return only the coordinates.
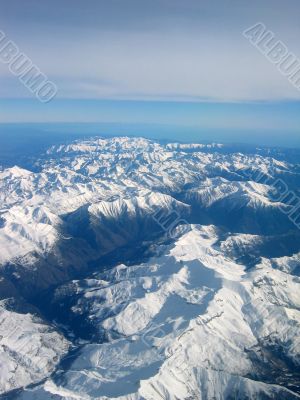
(137, 271)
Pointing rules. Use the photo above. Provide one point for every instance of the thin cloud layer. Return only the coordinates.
(174, 50)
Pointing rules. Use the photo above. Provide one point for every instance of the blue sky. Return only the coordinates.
(171, 62)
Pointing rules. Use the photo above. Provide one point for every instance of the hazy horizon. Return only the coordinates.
(184, 64)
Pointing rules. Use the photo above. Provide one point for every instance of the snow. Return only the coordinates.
(29, 348)
(191, 322)
(185, 332)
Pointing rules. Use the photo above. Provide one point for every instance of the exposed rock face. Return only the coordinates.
(164, 271)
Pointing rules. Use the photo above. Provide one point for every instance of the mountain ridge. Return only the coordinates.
(134, 253)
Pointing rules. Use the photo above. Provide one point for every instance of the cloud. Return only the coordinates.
(162, 49)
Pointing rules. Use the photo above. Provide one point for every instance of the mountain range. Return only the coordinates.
(137, 270)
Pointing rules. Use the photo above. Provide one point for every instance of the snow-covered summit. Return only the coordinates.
(169, 271)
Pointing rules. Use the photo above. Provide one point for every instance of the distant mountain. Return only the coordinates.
(134, 270)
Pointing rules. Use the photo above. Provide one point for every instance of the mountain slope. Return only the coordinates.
(147, 271)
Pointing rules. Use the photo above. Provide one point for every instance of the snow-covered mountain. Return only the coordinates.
(137, 270)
